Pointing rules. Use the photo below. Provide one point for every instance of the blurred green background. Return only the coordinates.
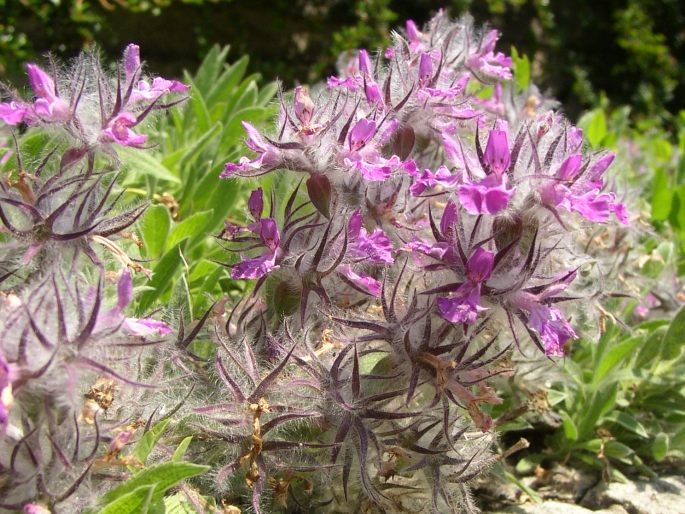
(582, 51)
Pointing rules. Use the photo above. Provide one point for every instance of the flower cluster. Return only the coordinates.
(72, 384)
(87, 105)
(436, 235)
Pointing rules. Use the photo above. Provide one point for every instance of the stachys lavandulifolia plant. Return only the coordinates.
(77, 374)
(430, 236)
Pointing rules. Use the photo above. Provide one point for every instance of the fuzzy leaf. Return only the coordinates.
(180, 450)
(154, 229)
(149, 440)
(161, 476)
(135, 502)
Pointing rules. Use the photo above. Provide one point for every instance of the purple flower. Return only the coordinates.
(496, 154)
(583, 195)
(256, 203)
(48, 105)
(113, 318)
(159, 87)
(6, 396)
(488, 62)
(143, 89)
(119, 131)
(414, 35)
(464, 305)
(268, 156)
(362, 280)
(34, 508)
(131, 61)
(351, 83)
(428, 179)
(303, 105)
(425, 69)
(362, 132)
(15, 112)
(364, 156)
(489, 196)
(263, 264)
(374, 248)
(548, 322)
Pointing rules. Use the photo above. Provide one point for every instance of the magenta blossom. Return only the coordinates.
(375, 247)
(6, 396)
(365, 156)
(48, 106)
(143, 89)
(464, 305)
(427, 180)
(489, 196)
(488, 62)
(114, 318)
(267, 230)
(361, 280)
(15, 112)
(583, 195)
(268, 156)
(118, 130)
(547, 321)
(159, 87)
(497, 156)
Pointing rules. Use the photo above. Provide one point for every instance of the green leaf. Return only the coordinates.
(662, 195)
(521, 69)
(628, 422)
(229, 79)
(594, 124)
(599, 403)
(673, 341)
(162, 278)
(178, 504)
(149, 440)
(181, 300)
(134, 502)
(570, 429)
(161, 476)
(180, 451)
(207, 73)
(200, 110)
(154, 229)
(142, 163)
(660, 446)
(189, 227)
(615, 356)
(616, 450)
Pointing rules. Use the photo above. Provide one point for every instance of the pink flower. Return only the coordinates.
(361, 280)
(488, 62)
(362, 132)
(489, 196)
(6, 397)
(146, 327)
(119, 131)
(113, 318)
(464, 305)
(374, 248)
(14, 112)
(48, 106)
(428, 179)
(257, 267)
(268, 156)
(497, 155)
(425, 69)
(352, 83)
(159, 87)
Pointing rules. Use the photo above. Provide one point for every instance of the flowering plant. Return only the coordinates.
(432, 236)
(437, 236)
